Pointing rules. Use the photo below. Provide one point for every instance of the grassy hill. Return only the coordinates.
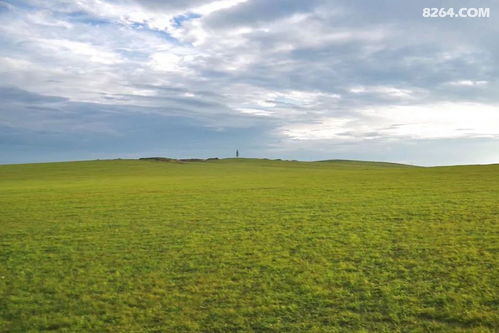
(248, 245)
(367, 164)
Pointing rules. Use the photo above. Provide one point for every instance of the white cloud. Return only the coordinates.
(434, 121)
(215, 6)
(86, 51)
(468, 83)
(256, 112)
(166, 62)
(383, 90)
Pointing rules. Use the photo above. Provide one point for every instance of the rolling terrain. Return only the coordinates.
(248, 245)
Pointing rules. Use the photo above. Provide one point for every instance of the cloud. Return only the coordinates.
(469, 83)
(434, 121)
(317, 73)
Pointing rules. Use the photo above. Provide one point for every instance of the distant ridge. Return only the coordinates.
(356, 163)
(344, 163)
(175, 160)
(373, 163)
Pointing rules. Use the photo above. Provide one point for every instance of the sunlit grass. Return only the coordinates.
(248, 245)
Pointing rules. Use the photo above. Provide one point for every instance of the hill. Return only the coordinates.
(248, 245)
(368, 163)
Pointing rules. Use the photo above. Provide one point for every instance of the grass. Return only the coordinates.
(248, 245)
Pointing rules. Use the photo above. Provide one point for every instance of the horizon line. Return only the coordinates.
(193, 160)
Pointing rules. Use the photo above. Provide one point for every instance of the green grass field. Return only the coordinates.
(242, 245)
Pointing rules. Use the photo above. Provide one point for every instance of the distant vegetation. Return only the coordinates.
(248, 245)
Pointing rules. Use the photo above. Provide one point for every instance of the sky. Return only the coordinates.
(289, 79)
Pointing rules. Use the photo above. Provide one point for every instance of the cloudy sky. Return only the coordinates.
(308, 80)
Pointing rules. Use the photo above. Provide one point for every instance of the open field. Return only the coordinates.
(248, 245)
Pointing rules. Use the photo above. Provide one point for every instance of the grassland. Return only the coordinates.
(248, 245)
